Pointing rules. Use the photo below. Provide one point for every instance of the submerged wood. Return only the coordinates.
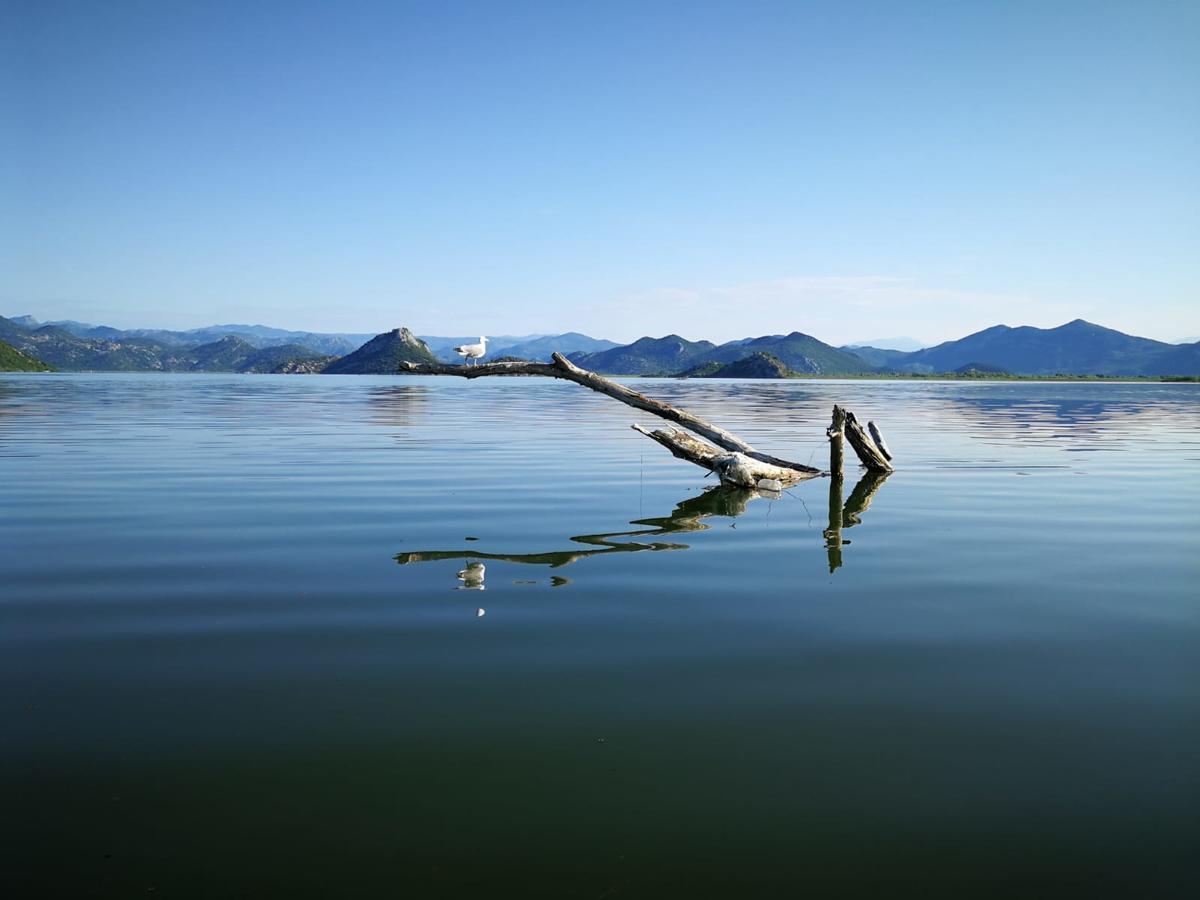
(734, 469)
(563, 368)
(837, 450)
(868, 453)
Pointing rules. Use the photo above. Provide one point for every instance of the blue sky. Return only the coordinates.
(851, 170)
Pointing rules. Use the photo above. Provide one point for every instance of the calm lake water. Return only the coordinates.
(236, 659)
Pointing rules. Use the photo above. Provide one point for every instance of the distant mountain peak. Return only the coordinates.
(1077, 347)
(383, 354)
(673, 354)
(903, 343)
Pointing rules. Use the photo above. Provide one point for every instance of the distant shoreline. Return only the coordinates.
(1098, 379)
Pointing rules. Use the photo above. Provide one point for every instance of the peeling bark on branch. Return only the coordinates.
(877, 437)
(734, 469)
(868, 453)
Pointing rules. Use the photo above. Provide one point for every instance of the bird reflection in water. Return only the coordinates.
(472, 577)
(472, 580)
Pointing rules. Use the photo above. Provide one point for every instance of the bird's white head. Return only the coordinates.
(483, 340)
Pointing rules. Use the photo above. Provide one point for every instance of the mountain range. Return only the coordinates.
(893, 343)
(259, 336)
(73, 345)
(60, 348)
(1076, 348)
(673, 355)
(533, 347)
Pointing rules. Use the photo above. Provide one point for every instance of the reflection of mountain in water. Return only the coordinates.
(1070, 407)
(396, 405)
(1076, 411)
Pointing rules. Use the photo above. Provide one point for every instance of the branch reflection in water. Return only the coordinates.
(688, 515)
(844, 517)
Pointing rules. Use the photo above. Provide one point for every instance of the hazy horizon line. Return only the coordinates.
(533, 335)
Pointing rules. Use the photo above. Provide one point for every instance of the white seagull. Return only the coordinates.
(472, 351)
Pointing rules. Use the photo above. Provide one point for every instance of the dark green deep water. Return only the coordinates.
(235, 659)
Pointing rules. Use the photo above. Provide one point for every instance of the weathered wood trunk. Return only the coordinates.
(563, 368)
(734, 469)
(868, 454)
(837, 449)
(740, 465)
(877, 437)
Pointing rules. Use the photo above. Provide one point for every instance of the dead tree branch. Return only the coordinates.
(734, 469)
(868, 453)
(565, 369)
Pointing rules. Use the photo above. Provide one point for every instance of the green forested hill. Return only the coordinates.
(13, 360)
(647, 356)
(760, 365)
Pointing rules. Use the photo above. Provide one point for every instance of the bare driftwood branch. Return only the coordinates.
(868, 454)
(565, 369)
(740, 465)
(734, 469)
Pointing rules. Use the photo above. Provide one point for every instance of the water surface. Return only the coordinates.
(236, 658)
